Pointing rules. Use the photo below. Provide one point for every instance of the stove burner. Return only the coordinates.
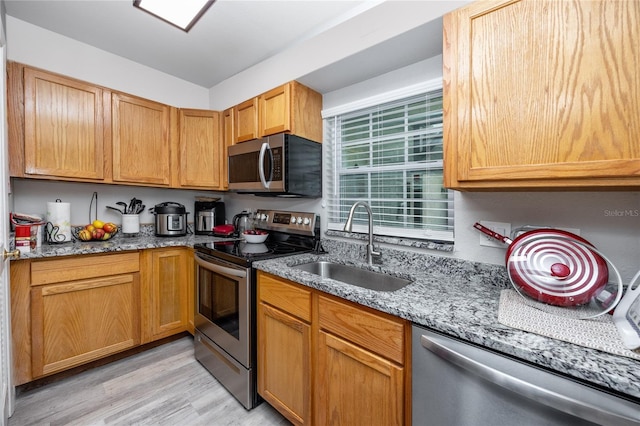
(283, 249)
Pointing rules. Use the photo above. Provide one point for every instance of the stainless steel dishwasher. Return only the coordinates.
(457, 383)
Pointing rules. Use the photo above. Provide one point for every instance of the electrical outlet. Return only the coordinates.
(499, 227)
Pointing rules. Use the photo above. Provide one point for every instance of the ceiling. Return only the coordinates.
(232, 36)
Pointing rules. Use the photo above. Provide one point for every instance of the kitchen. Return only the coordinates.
(591, 212)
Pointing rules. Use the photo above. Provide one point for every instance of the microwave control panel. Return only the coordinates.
(277, 164)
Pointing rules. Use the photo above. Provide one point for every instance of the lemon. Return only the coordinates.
(98, 224)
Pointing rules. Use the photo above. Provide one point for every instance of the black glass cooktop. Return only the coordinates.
(243, 253)
(289, 233)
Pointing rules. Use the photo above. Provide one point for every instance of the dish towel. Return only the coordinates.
(596, 333)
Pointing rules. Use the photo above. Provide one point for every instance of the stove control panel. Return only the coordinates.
(286, 221)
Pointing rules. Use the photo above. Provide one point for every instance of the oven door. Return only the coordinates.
(223, 305)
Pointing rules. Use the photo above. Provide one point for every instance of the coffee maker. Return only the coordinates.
(208, 214)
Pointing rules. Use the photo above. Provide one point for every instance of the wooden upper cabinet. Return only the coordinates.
(201, 149)
(228, 136)
(246, 120)
(275, 111)
(291, 108)
(63, 127)
(141, 137)
(542, 94)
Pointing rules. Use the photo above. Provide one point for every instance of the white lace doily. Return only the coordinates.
(597, 333)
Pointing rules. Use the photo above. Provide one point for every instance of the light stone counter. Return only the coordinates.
(460, 298)
(143, 240)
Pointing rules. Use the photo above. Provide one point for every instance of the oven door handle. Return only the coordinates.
(240, 273)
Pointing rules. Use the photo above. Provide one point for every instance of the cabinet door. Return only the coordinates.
(21, 320)
(542, 94)
(79, 321)
(228, 132)
(275, 110)
(64, 128)
(355, 386)
(292, 108)
(246, 120)
(201, 149)
(284, 363)
(141, 133)
(167, 282)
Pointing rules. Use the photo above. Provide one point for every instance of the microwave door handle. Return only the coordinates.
(263, 150)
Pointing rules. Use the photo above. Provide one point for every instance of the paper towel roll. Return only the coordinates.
(59, 214)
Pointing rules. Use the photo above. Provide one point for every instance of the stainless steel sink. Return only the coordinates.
(354, 276)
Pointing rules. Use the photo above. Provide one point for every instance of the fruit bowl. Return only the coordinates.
(255, 236)
(93, 233)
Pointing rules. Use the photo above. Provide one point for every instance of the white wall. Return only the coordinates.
(31, 196)
(412, 75)
(379, 21)
(32, 45)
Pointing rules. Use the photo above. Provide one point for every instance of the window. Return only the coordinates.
(390, 155)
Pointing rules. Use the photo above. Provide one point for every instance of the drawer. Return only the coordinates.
(286, 296)
(83, 267)
(378, 333)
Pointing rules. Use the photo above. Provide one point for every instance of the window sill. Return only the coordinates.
(399, 241)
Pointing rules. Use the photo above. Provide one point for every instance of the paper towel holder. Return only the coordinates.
(53, 236)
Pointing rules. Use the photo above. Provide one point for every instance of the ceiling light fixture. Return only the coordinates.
(182, 14)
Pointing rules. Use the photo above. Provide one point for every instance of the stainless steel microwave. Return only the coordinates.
(279, 165)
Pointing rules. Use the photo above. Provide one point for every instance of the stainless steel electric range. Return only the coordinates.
(225, 318)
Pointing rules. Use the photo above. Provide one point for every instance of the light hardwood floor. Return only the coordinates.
(162, 386)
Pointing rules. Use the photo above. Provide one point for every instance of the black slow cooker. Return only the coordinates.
(170, 219)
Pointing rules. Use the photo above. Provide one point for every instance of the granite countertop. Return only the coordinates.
(144, 240)
(461, 299)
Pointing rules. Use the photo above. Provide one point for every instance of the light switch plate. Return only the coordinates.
(501, 228)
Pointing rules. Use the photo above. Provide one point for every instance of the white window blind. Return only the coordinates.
(390, 155)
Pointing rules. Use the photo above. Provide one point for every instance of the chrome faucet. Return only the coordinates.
(347, 227)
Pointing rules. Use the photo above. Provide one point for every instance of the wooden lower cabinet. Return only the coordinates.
(79, 321)
(71, 310)
(80, 309)
(284, 348)
(323, 360)
(165, 290)
(356, 386)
